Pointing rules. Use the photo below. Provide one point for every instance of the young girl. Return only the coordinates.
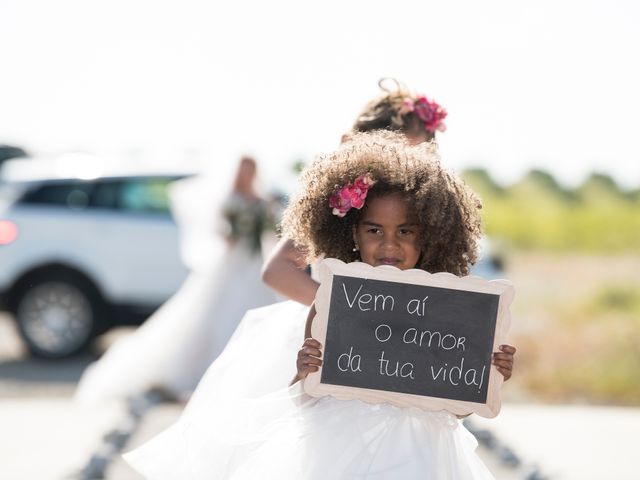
(410, 214)
(398, 109)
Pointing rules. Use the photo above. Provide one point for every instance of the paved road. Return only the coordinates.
(44, 435)
(573, 442)
(22, 376)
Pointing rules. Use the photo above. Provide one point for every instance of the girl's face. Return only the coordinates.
(387, 233)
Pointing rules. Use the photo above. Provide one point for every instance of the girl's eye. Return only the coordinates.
(373, 230)
(405, 231)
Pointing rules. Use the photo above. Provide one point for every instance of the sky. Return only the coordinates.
(194, 84)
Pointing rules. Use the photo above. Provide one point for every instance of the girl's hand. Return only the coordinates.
(309, 358)
(503, 360)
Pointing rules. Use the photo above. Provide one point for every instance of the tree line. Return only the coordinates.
(537, 212)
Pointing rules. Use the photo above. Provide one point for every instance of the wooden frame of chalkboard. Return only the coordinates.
(409, 338)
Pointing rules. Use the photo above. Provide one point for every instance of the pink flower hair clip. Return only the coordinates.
(352, 195)
(428, 111)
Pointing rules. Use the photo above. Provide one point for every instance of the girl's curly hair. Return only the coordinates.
(447, 210)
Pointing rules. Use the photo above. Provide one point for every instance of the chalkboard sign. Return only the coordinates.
(409, 338)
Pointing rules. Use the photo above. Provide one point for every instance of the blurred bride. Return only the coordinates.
(173, 348)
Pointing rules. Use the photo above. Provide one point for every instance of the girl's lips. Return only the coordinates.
(389, 261)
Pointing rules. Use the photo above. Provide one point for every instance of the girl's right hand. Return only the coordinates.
(309, 358)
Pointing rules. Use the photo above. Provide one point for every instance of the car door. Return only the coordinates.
(138, 239)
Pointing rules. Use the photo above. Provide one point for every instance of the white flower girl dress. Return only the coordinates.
(239, 425)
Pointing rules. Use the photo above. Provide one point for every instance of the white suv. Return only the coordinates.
(80, 256)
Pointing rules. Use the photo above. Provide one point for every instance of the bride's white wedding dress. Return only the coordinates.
(176, 345)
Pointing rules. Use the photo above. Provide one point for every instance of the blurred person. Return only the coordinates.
(222, 246)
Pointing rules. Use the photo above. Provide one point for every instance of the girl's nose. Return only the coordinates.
(390, 242)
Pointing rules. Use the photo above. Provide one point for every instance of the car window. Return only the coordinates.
(106, 194)
(145, 195)
(73, 195)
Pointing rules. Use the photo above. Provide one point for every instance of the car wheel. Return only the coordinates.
(57, 317)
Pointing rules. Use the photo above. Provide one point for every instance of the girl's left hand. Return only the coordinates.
(503, 360)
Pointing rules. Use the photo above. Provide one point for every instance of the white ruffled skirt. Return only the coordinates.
(243, 422)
